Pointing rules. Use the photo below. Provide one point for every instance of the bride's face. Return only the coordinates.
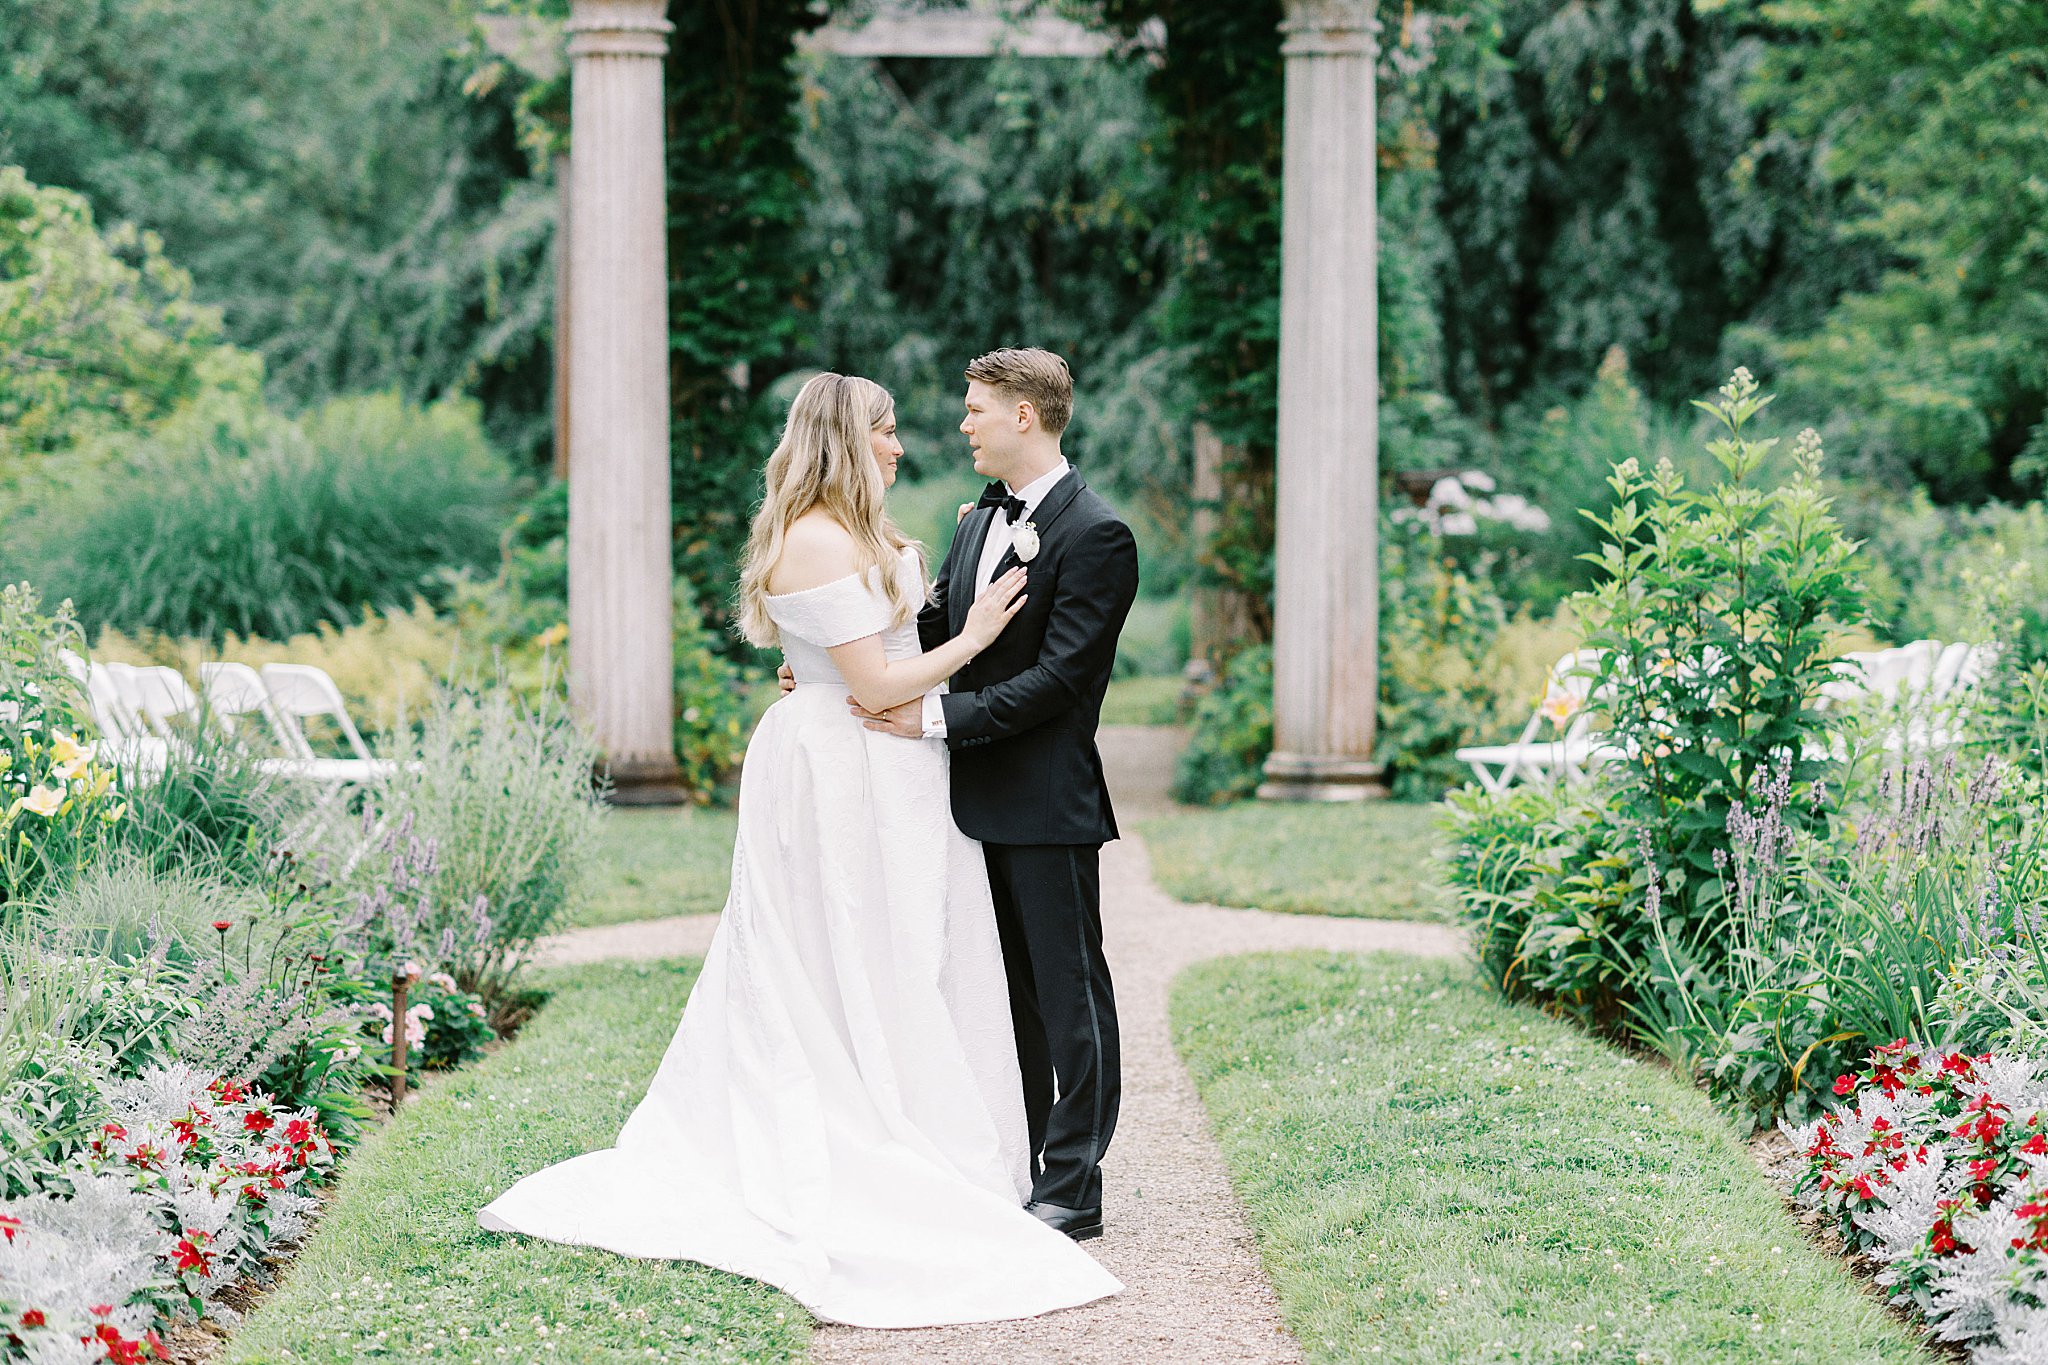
(888, 450)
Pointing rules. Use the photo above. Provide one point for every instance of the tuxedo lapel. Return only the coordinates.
(960, 596)
(1057, 501)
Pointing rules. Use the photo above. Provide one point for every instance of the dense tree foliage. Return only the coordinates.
(98, 335)
(961, 205)
(315, 165)
(1931, 124)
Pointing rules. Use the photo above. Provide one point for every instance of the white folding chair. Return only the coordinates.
(158, 695)
(125, 740)
(1565, 704)
(234, 690)
(299, 692)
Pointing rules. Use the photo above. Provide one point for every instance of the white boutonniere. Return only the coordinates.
(1025, 542)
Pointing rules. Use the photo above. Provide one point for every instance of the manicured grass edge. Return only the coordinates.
(1434, 1174)
(399, 1269)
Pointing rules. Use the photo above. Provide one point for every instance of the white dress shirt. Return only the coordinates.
(1001, 535)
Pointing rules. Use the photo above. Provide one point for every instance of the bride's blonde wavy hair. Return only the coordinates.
(824, 460)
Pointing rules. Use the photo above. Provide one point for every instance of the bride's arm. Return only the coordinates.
(879, 682)
(818, 551)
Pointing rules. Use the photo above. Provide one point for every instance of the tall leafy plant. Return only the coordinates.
(1713, 618)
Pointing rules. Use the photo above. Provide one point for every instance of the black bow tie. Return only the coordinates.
(995, 495)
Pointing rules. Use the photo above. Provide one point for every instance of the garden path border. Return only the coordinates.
(1176, 1233)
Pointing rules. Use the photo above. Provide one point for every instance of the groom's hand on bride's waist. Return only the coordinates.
(906, 720)
(787, 678)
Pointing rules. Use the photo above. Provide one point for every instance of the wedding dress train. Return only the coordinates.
(839, 1113)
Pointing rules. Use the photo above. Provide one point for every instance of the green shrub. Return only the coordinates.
(89, 343)
(1714, 618)
(1233, 733)
(1547, 884)
(714, 706)
(1438, 626)
(58, 799)
(243, 522)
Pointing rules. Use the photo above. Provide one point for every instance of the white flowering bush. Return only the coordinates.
(1937, 1166)
(184, 1190)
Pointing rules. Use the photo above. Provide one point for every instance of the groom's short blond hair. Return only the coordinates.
(1037, 377)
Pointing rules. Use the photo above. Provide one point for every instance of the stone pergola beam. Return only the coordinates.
(620, 630)
(1326, 572)
(906, 31)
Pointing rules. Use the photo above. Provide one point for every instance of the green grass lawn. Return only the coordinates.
(652, 863)
(1434, 1175)
(1366, 858)
(1142, 701)
(399, 1270)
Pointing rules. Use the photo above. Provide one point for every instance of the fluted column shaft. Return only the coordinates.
(1326, 574)
(620, 672)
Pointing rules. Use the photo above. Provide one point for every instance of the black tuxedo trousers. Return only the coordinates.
(1049, 912)
(1027, 782)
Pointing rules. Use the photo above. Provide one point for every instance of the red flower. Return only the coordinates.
(120, 1350)
(101, 1310)
(33, 1318)
(2037, 1144)
(191, 1253)
(223, 925)
(1982, 1169)
(1845, 1084)
(298, 1131)
(9, 1225)
(257, 1121)
(227, 1091)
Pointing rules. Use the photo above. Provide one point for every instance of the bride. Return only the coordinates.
(840, 1112)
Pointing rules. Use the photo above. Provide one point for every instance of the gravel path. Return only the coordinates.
(1176, 1235)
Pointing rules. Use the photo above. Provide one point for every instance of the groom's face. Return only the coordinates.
(990, 427)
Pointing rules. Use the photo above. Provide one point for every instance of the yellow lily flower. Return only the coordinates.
(67, 750)
(43, 801)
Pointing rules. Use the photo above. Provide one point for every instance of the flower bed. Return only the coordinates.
(188, 1187)
(204, 976)
(1761, 881)
(1937, 1166)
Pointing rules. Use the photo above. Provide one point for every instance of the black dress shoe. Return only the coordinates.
(1079, 1224)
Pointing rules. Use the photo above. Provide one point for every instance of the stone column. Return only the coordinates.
(1326, 575)
(563, 167)
(620, 672)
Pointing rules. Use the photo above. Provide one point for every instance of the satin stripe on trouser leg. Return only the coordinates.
(1051, 894)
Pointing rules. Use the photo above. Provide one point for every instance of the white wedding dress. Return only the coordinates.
(839, 1113)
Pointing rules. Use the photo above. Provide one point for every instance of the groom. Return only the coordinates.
(1027, 781)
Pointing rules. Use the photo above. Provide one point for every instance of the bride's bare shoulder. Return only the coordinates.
(816, 550)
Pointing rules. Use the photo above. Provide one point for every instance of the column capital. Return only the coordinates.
(618, 28)
(1328, 28)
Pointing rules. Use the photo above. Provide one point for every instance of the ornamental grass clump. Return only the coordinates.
(495, 795)
(1921, 916)
(1936, 1165)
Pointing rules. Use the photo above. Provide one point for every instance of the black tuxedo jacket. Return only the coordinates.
(1021, 717)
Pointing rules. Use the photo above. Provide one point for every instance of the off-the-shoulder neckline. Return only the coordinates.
(860, 577)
